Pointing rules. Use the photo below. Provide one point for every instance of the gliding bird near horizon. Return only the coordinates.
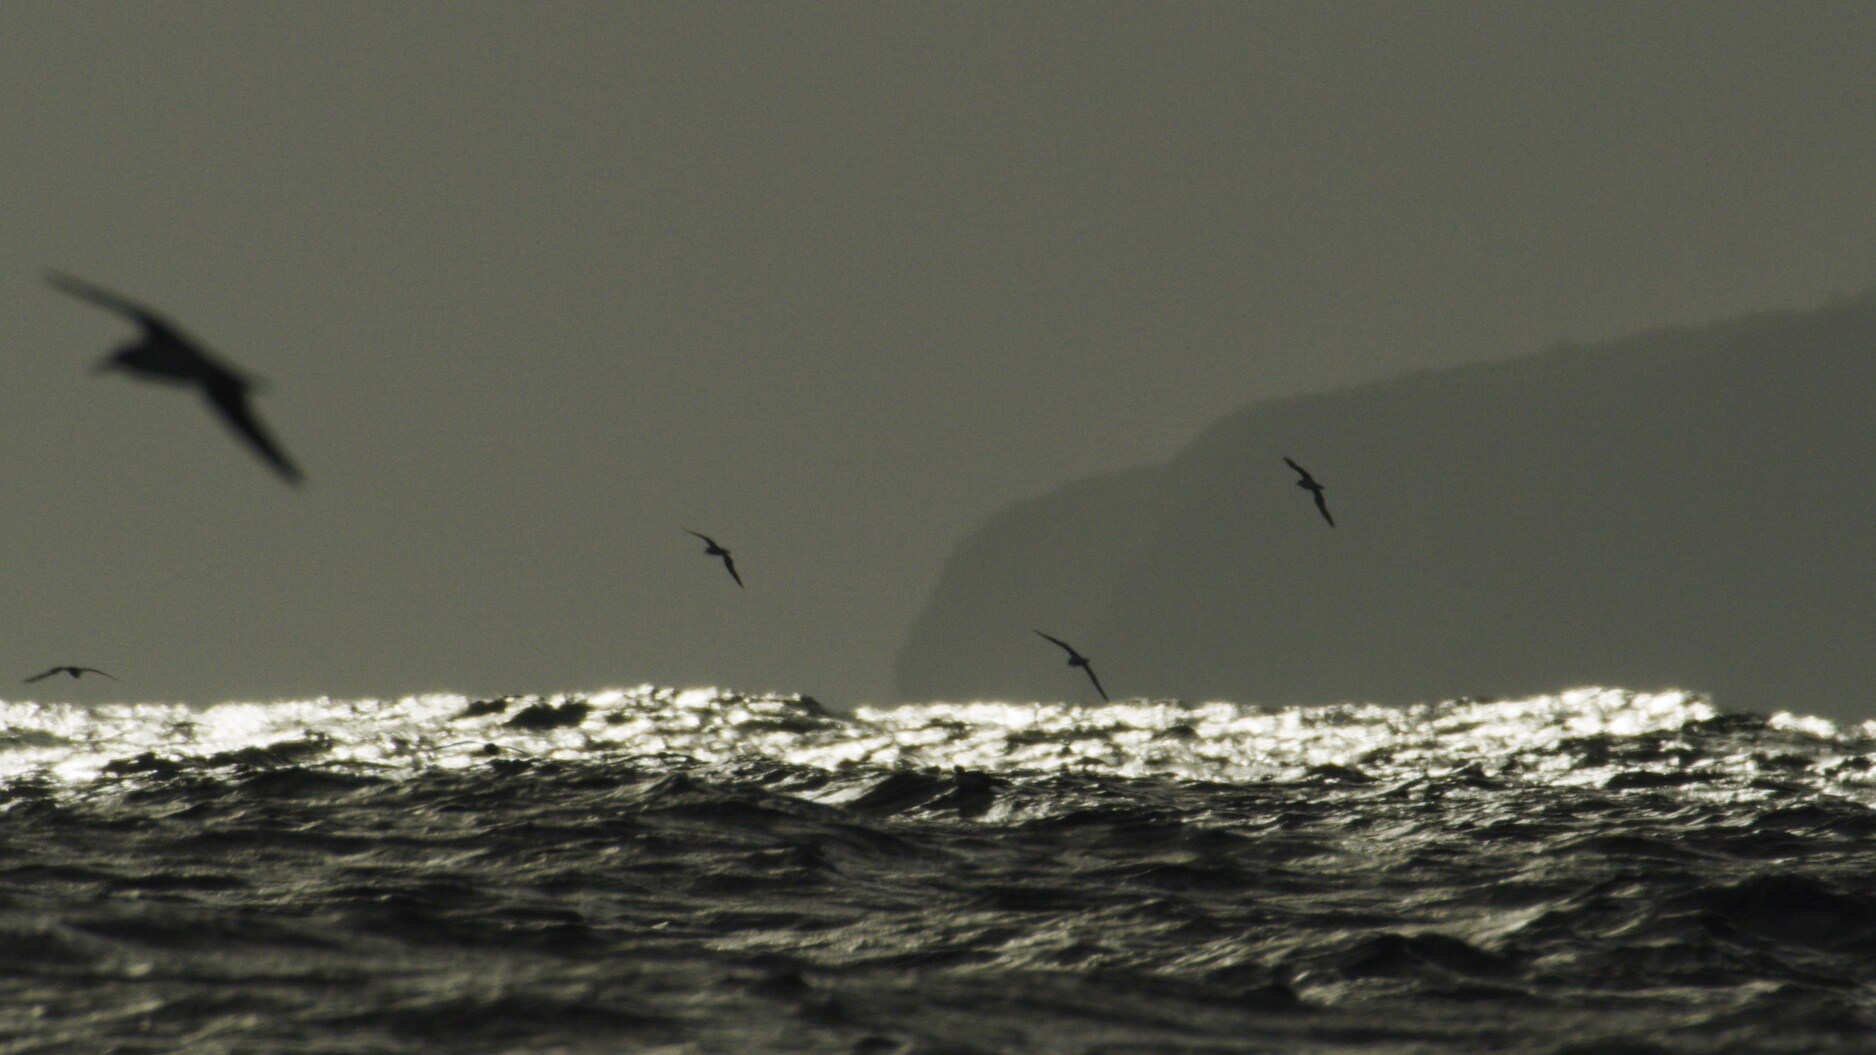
(75, 672)
(711, 549)
(1308, 483)
(165, 354)
(1076, 659)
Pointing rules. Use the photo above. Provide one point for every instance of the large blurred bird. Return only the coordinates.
(164, 353)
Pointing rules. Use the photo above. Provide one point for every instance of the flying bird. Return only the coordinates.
(1076, 659)
(164, 353)
(73, 671)
(1308, 483)
(711, 549)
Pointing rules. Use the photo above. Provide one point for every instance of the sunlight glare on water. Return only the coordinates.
(1216, 741)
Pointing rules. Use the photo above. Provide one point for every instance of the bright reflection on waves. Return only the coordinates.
(1567, 738)
(1225, 741)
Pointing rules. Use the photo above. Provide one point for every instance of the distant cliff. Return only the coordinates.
(1690, 507)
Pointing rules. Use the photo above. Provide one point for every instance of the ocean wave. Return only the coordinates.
(1591, 871)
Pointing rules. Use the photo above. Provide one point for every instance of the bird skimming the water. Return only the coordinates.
(1076, 659)
(1308, 483)
(711, 549)
(73, 671)
(164, 353)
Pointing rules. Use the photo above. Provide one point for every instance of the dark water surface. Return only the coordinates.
(699, 872)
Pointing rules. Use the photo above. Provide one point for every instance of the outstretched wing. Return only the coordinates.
(229, 397)
(1065, 646)
(708, 541)
(104, 298)
(41, 677)
(1304, 473)
(94, 670)
(731, 565)
(1322, 503)
(1097, 682)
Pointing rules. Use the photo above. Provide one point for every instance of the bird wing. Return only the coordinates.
(229, 396)
(41, 677)
(104, 298)
(1322, 503)
(1066, 647)
(707, 539)
(731, 565)
(1097, 683)
(94, 670)
(1297, 467)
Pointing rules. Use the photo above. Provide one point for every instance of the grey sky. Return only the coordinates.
(536, 286)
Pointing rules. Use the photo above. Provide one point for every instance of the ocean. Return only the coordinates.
(649, 870)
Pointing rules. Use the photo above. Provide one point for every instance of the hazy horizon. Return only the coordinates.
(1619, 513)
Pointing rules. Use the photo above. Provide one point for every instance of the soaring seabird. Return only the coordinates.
(711, 549)
(164, 353)
(73, 671)
(1076, 659)
(1308, 483)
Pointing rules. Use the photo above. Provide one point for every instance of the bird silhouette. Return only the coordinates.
(73, 671)
(1308, 483)
(164, 353)
(711, 549)
(1076, 659)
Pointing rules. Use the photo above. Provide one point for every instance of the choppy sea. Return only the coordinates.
(702, 871)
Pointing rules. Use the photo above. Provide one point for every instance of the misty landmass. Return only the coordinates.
(1691, 507)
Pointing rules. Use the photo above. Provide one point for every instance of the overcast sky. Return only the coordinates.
(537, 285)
